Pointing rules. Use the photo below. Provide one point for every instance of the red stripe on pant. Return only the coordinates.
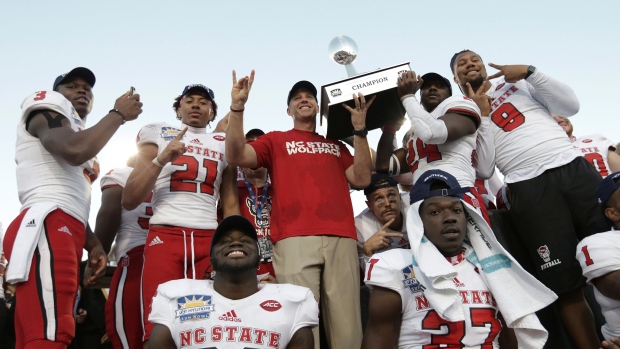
(44, 308)
(123, 311)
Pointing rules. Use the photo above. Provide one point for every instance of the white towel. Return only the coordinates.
(26, 241)
(517, 293)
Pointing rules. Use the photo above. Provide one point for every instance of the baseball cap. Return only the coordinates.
(82, 72)
(254, 133)
(301, 84)
(422, 187)
(231, 223)
(607, 187)
(201, 87)
(380, 181)
(428, 77)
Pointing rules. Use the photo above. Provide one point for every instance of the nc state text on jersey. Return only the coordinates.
(192, 149)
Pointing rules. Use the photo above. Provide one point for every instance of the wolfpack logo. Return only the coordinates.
(125, 261)
(544, 253)
(410, 281)
(263, 220)
(194, 307)
(271, 305)
(335, 92)
(169, 133)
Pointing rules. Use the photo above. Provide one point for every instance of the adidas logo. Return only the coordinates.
(156, 241)
(31, 224)
(64, 229)
(230, 316)
(195, 141)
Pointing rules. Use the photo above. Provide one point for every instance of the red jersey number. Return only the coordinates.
(187, 179)
(421, 151)
(507, 117)
(586, 254)
(143, 222)
(596, 160)
(371, 264)
(40, 96)
(480, 317)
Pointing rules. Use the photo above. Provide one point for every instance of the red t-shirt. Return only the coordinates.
(311, 192)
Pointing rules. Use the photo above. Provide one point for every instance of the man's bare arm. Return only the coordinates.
(384, 319)
(302, 339)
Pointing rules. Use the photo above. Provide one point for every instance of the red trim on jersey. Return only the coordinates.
(456, 259)
(467, 113)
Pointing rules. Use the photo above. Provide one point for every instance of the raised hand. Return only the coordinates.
(358, 114)
(380, 239)
(483, 101)
(173, 150)
(130, 106)
(511, 73)
(98, 261)
(407, 84)
(241, 90)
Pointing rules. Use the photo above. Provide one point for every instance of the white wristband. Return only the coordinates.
(394, 160)
(428, 129)
(156, 163)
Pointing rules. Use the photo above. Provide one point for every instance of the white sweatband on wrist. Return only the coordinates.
(156, 163)
(427, 128)
(394, 159)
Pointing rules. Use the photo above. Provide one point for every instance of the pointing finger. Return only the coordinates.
(180, 135)
(496, 75)
(396, 235)
(234, 77)
(496, 66)
(470, 91)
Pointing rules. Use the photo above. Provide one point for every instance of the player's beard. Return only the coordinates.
(234, 267)
(476, 82)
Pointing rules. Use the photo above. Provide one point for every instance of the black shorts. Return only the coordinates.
(552, 213)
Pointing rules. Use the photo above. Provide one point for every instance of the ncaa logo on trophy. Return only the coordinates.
(381, 82)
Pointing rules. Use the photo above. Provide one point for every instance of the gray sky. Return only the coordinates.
(161, 46)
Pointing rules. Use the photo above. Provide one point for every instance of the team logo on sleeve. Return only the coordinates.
(169, 133)
(194, 307)
(410, 281)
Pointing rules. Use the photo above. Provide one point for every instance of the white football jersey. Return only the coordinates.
(367, 224)
(199, 317)
(188, 189)
(528, 141)
(599, 254)
(42, 176)
(453, 157)
(595, 149)
(135, 223)
(421, 326)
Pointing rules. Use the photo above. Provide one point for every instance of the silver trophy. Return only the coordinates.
(381, 82)
(343, 50)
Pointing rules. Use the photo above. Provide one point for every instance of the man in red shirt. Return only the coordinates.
(312, 227)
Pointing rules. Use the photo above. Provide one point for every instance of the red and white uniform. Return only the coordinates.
(293, 157)
(262, 223)
(191, 182)
(454, 157)
(55, 251)
(527, 139)
(122, 308)
(599, 255)
(367, 224)
(199, 317)
(43, 177)
(421, 326)
(595, 149)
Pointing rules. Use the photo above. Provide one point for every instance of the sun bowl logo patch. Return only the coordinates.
(410, 281)
(194, 307)
(169, 133)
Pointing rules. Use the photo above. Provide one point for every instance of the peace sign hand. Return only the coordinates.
(379, 239)
(511, 73)
(173, 150)
(483, 101)
(358, 115)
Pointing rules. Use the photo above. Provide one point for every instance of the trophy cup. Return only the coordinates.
(382, 83)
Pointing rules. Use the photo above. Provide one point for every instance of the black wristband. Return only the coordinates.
(119, 113)
(530, 70)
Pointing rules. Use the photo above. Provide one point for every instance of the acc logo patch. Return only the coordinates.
(500, 86)
(194, 307)
(587, 141)
(169, 133)
(271, 305)
(410, 281)
(219, 138)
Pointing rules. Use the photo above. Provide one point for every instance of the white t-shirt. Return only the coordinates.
(43, 177)
(199, 317)
(421, 325)
(187, 190)
(598, 255)
(454, 157)
(135, 223)
(595, 149)
(528, 141)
